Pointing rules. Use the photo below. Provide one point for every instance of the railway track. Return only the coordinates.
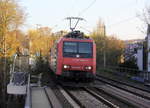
(54, 102)
(126, 87)
(102, 99)
(74, 98)
(77, 97)
(71, 98)
(103, 96)
(86, 98)
(112, 98)
(146, 89)
(131, 95)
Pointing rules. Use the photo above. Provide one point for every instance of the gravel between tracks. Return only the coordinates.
(87, 99)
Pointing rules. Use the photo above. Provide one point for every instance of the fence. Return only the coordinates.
(128, 72)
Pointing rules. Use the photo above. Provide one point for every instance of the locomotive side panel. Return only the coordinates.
(53, 58)
(59, 58)
(94, 58)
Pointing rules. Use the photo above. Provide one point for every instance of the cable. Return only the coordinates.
(84, 10)
(85, 29)
(70, 8)
(73, 6)
(122, 21)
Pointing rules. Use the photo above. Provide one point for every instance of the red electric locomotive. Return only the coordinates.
(74, 56)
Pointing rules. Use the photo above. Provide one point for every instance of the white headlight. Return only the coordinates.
(65, 66)
(89, 67)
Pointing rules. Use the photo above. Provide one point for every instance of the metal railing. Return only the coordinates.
(12, 68)
(17, 78)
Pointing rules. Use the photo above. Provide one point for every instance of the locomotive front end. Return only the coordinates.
(78, 59)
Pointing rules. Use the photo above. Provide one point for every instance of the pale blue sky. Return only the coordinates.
(118, 15)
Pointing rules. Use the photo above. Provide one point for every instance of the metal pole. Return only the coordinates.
(70, 25)
(104, 58)
(104, 53)
(4, 68)
(76, 24)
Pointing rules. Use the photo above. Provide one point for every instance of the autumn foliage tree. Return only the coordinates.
(11, 18)
(109, 48)
(40, 41)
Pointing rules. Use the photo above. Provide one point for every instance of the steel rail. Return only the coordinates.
(74, 98)
(133, 92)
(106, 102)
(115, 97)
(124, 83)
(48, 98)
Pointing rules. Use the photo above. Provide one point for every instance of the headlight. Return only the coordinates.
(88, 67)
(66, 66)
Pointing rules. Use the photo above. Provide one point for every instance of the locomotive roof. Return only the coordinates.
(76, 34)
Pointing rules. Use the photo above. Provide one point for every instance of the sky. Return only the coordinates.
(119, 16)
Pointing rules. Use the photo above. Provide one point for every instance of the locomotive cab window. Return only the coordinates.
(83, 49)
(70, 47)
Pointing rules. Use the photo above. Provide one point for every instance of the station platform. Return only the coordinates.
(39, 98)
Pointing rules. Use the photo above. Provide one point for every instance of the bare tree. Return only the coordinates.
(145, 16)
